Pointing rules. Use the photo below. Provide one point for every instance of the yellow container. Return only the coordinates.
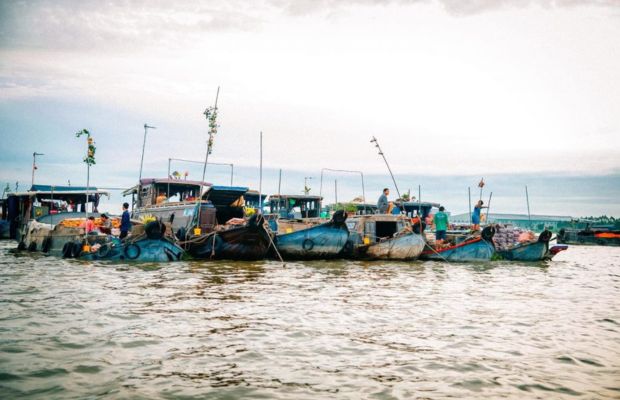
(366, 240)
(197, 231)
(289, 230)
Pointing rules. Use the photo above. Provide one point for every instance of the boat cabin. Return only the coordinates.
(368, 229)
(295, 206)
(253, 199)
(49, 204)
(152, 191)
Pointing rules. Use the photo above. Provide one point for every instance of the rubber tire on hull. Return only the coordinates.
(488, 233)
(132, 254)
(103, 251)
(66, 250)
(308, 244)
(46, 245)
(545, 236)
(154, 230)
(76, 249)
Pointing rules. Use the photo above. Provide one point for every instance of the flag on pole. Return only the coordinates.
(481, 183)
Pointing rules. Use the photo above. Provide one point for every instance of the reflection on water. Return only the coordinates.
(321, 329)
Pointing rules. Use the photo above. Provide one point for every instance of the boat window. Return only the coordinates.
(351, 225)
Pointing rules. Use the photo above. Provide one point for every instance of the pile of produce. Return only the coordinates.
(508, 236)
(77, 222)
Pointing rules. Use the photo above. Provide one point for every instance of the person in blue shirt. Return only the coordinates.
(475, 216)
(125, 222)
(383, 203)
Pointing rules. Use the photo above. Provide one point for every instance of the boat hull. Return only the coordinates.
(321, 241)
(248, 242)
(68, 243)
(472, 250)
(536, 251)
(143, 250)
(403, 247)
(588, 237)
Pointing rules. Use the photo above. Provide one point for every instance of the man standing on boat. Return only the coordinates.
(475, 216)
(125, 222)
(383, 203)
(441, 225)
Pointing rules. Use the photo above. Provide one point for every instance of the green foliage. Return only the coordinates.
(347, 207)
(90, 153)
(211, 115)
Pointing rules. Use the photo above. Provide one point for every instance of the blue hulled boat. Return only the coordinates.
(532, 251)
(147, 243)
(319, 241)
(478, 248)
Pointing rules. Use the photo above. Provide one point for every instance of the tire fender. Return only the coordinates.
(308, 244)
(103, 251)
(76, 249)
(46, 245)
(66, 250)
(132, 251)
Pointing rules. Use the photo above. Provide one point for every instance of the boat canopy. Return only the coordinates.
(175, 185)
(59, 192)
(224, 196)
(420, 208)
(252, 198)
(295, 206)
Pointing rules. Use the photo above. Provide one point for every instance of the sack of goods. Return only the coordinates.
(508, 236)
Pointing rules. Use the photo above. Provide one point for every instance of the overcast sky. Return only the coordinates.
(450, 87)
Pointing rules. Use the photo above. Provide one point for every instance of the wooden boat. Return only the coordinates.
(213, 226)
(382, 237)
(49, 204)
(249, 241)
(591, 235)
(537, 250)
(465, 248)
(149, 243)
(298, 239)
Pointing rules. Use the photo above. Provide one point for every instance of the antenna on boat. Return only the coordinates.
(529, 217)
(146, 127)
(260, 179)
(374, 140)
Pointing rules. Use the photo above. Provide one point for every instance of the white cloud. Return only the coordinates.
(519, 89)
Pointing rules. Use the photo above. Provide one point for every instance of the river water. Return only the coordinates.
(339, 329)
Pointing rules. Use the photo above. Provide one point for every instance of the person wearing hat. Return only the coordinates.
(106, 224)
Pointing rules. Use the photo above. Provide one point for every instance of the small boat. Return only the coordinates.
(48, 204)
(305, 240)
(212, 226)
(382, 237)
(590, 235)
(147, 243)
(534, 250)
(247, 241)
(465, 248)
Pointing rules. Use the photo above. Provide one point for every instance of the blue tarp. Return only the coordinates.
(49, 188)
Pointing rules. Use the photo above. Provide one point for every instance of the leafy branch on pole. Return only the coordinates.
(90, 155)
(211, 115)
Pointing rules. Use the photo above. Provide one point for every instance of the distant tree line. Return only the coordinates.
(602, 220)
